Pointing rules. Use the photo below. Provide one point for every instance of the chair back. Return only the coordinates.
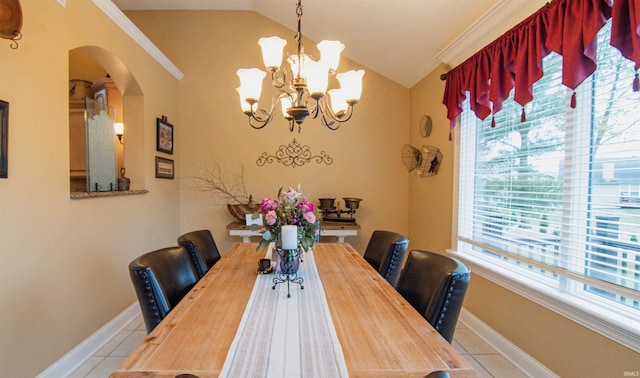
(202, 250)
(435, 285)
(161, 279)
(385, 253)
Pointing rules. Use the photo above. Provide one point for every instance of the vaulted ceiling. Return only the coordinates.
(400, 39)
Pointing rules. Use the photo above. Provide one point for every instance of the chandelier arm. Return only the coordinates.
(280, 93)
(279, 78)
(267, 116)
(330, 124)
(313, 110)
(344, 117)
(329, 118)
(258, 121)
(256, 124)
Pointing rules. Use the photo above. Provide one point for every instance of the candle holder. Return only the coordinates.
(288, 272)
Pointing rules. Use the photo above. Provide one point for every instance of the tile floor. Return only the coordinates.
(486, 360)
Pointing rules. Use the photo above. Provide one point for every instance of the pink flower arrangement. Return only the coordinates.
(289, 208)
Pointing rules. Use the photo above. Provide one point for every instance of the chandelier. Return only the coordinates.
(300, 87)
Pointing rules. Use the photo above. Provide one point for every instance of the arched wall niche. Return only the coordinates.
(93, 63)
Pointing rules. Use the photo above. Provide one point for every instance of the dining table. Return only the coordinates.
(377, 332)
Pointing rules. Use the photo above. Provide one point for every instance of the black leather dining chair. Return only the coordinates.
(202, 250)
(435, 285)
(385, 253)
(161, 279)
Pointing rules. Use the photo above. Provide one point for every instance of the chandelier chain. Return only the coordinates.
(298, 38)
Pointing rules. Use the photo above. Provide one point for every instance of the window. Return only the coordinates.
(552, 201)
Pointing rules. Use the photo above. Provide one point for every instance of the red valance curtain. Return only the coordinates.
(514, 60)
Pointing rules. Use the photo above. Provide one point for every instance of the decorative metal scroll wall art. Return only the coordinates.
(294, 154)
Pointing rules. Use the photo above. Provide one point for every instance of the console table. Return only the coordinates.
(337, 229)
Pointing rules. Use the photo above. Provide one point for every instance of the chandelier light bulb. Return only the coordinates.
(286, 103)
(293, 62)
(250, 83)
(330, 53)
(351, 83)
(272, 52)
(317, 77)
(338, 101)
(246, 107)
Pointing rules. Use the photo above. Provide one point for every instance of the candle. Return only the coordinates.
(289, 237)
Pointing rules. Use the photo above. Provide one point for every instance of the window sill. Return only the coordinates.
(595, 318)
(83, 195)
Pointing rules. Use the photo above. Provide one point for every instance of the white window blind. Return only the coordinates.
(556, 198)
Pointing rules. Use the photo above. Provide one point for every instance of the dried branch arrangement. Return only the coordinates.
(224, 185)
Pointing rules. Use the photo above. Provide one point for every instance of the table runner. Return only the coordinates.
(286, 337)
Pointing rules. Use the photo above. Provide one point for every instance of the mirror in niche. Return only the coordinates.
(100, 146)
(96, 152)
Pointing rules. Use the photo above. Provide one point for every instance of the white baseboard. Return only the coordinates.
(78, 355)
(509, 350)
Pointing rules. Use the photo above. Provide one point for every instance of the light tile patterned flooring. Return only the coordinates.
(486, 360)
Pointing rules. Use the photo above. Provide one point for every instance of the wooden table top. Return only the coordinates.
(380, 333)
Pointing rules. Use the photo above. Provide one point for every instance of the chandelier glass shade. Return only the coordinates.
(300, 84)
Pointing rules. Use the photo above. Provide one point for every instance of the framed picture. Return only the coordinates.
(251, 219)
(164, 168)
(164, 135)
(4, 129)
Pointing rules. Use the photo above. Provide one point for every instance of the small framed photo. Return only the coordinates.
(164, 136)
(164, 168)
(251, 219)
(4, 129)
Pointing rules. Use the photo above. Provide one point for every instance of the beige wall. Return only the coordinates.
(431, 197)
(210, 47)
(565, 347)
(63, 263)
(83, 67)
